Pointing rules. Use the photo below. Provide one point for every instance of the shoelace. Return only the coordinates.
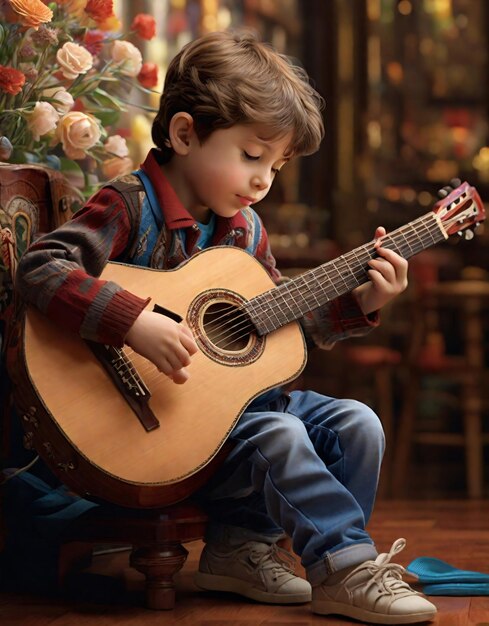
(387, 576)
(274, 558)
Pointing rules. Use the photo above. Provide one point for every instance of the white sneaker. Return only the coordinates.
(260, 571)
(374, 592)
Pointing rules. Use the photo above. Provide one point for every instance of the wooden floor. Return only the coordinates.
(455, 531)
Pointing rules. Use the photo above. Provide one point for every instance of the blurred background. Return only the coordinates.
(406, 89)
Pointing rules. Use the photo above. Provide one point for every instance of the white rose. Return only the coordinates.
(117, 146)
(42, 120)
(74, 60)
(78, 132)
(63, 99)
(128, 57)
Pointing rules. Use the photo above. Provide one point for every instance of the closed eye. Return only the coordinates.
(250, 157)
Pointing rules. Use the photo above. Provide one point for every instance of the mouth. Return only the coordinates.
(246, 200)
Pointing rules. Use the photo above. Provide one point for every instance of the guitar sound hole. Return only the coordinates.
(227, 327)
(223, 329)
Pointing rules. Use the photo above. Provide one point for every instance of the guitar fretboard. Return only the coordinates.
(293, 299)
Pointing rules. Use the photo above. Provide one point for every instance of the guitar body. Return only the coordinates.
(83, 427)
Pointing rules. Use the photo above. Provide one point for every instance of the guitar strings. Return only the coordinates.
(361, 254)
(289, 292)
(344, 260)
(130, 370)
(242, 324)
(226, 327)
(148, 368)
(414, 244)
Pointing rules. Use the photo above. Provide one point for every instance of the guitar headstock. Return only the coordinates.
(461, 211)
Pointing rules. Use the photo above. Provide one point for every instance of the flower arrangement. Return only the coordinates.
(65, 77)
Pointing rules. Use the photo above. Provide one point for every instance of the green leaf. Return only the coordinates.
(73, 172)
(106, 99)
(106, 117)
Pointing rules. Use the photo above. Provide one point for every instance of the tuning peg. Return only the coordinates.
(460, 233)
(469, 235)
(447, 189)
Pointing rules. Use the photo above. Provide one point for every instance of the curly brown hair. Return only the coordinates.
(231, 77)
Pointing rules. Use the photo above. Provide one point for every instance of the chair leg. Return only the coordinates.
(473, 446)
(404, 437)
(159, 563)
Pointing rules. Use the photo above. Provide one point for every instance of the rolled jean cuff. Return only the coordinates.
(335, 561)
(236, 536)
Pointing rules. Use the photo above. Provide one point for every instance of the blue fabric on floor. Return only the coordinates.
(456, 589)
(431, 570)
(439, 578)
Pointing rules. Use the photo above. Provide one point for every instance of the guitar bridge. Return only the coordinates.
(127, 380)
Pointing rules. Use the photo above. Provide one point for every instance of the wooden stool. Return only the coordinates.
(156, 537)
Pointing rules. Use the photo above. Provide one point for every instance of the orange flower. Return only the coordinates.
(11, 80)
(144, 25)
(148, 76)
(111, 24)
(100, 10)
(31, 13)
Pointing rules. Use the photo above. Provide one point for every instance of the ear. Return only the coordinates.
(180, 132)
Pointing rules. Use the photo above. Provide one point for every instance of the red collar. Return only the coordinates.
(175, 214)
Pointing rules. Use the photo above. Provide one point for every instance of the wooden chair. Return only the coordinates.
(34, 200)
(467, 301)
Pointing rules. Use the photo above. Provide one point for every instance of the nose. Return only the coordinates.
(260, 181)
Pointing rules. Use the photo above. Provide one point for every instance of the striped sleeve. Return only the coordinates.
(59, 272)
(339, 319)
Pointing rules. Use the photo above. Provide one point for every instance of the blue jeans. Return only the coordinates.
(305, 464)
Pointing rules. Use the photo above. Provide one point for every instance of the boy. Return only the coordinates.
(232, 113)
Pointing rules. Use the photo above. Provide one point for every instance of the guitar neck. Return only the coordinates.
(293, 299)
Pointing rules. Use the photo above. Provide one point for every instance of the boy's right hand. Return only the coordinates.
(164, 342)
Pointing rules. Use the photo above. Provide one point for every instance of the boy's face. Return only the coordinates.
(233, 168)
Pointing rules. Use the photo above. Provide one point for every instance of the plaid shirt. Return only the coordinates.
(59, 272)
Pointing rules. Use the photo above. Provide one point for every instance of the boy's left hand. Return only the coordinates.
(387, 278)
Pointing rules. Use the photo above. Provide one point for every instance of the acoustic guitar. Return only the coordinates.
(111, 426)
